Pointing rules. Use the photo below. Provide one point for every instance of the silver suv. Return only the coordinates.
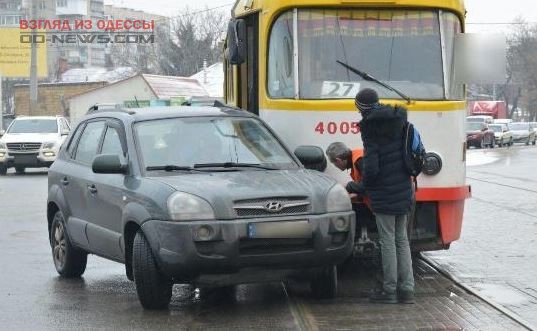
(32, 142)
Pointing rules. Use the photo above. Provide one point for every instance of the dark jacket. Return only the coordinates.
(385, 178)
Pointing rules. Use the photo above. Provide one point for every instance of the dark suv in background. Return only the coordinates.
(478, 134)
(206, 196)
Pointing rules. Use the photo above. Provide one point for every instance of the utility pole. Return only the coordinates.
(33, 64)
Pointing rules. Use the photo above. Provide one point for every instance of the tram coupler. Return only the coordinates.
(363, 245)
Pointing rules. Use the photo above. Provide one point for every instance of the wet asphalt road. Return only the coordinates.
(33, 297)
(497, 252)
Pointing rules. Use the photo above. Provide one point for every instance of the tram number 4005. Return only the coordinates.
(337, 127)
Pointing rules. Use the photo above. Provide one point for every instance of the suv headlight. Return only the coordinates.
(188, 207)
(49, 145)
(338, 200)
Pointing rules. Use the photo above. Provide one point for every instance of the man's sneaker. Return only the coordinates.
(383, 297)
(406, 297)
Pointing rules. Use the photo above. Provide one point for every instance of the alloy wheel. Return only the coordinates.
(59, 243)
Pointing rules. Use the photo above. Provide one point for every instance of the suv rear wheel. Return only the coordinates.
(324, 283)
(153, 288)
(69, 261)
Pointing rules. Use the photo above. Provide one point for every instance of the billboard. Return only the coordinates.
(15, 53)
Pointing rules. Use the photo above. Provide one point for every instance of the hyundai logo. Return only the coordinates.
(273, 207)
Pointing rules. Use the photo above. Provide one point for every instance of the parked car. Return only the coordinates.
(207, 196)
(523, 132)
(479, 135)
(502, 134)
(32, 142)
(480, 118)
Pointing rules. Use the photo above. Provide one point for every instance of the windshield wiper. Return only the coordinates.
(232, 165)
(170, 167)
(370, 78)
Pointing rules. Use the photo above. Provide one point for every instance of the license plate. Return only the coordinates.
(286, 229)
(26, 159)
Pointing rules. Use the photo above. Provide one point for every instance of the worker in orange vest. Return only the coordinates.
(344, 158)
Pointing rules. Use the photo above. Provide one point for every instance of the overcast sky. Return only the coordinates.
(479, 11)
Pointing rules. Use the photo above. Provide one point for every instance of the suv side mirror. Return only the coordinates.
(2, 132)
(312, 157)
(109, 164)
(64, 132)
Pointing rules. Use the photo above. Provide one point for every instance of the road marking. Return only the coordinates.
(304, 320)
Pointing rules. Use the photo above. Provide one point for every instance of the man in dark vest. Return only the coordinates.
(388, 186)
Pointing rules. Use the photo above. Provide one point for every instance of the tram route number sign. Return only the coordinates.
(337, 127)
(331, 89)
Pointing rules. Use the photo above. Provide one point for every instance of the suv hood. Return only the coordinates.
(222, 189)
(29, 137)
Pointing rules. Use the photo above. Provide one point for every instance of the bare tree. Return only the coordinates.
(195, 37)
(521, 84)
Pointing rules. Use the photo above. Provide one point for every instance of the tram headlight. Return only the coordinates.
(432, 164)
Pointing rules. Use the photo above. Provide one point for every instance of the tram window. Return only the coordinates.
(400, 47)
(451, 26)
(280, 58)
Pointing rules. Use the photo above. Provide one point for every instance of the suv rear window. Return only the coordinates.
(34, 126)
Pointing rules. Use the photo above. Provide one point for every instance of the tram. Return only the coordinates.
(299, 64)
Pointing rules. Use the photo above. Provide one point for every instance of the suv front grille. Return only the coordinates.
(272, 206)
(23, 147)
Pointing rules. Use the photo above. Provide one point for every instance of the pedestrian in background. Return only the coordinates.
(388, 186)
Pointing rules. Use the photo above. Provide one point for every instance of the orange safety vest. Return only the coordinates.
(355, 173)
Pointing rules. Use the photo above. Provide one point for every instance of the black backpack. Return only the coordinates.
(414, 152)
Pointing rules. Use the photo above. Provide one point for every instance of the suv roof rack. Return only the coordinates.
(98, 107)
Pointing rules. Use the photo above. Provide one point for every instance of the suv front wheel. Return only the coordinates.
(69, 261)
(153, 288)
(3, 170)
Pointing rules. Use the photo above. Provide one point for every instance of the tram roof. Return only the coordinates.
(243, 7)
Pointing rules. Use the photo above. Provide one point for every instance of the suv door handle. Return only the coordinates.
(64, 181)
(92, 189)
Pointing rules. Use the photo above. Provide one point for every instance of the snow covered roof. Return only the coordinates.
(94, 74)
(212, 79)
(166, 87)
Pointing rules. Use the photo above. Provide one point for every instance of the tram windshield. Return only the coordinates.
(402, 48)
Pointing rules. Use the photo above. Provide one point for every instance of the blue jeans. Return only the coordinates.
(395, 251)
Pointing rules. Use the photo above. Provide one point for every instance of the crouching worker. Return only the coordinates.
(344, 159)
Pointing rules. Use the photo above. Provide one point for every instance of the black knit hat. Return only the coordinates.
(366, 99)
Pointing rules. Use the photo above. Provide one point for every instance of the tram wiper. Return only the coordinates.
(370, 78)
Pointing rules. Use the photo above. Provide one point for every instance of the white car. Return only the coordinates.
(502, 134)
(523, 133)
(32, 142)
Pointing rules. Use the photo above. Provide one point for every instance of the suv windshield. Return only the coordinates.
(474, 126)
(189, 142)
(34, 126)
